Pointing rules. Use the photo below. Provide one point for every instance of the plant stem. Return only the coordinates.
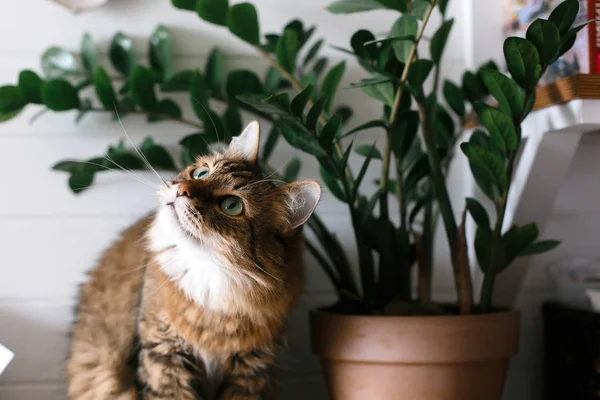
(385, 167)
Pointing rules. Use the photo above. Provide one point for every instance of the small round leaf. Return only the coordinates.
(59, 95)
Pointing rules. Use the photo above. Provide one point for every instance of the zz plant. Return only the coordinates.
(297, 95)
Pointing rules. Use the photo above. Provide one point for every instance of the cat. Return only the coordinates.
(191, 301)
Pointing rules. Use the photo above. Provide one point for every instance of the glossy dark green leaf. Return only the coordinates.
(58, 62)
(439, 40)
(232, 121)
(478, 213)
(319, 66)
(333, 184)
(331, 83)
(353, 6)
(157, 155)
(419, 8)
(104, 89)
(523, 61)
(344, 112)
(199, 98)
(483, 244)
(364, 150)
(370, 82)
(121, 53)
(568, 40)
(242, 81)
(472, 88)
(270, 143)
(405, 134)
(10, 100)
(279, 100)
(273, 80)
(142, 88)
(59, 95)
(383, 91)
(563, 16)
(215, 71)
(264, 103)
(192, 146)
(80, 179)
(419, 72)
(455, 98)
(242, 21)
(300, 139)
(358, 41)
(30, 86)
(406, 25)
(343, 163)
(515, 241)
(545, 37)
(312, 52)
(89, 53)
(169, 107)
(394, 5)
(161, 52)
(292, 170)
(5, 116)
(539, 247)
(179, 82)
(499, 125)
(189, 5)
(484, 164)
(299, 102)
(482, 139)
(329, 131)
(509, 96)
(298, 27)
(313, 114)
(417, 207)
(364, 167)
(287, 50)
(214, 11)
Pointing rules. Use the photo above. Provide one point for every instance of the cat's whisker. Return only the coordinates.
(131, 172)
(142, 156)
(268, 273)
(209, 116)
(135, 176)
(270, 175)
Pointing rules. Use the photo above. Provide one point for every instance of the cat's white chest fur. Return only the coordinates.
(201, 273)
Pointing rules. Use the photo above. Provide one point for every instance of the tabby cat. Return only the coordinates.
(190, 303)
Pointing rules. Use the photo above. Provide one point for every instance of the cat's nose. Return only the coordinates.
(184, 190)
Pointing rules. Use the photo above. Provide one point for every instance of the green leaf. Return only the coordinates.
(319, 66)
(332, 184)
(443, 6)
(80, 180)
(298, 138)
(406, 25)
(394, 5)
(88, 53)
(499, 125)
(270, 143)
(273, 80)
(523, 61)
(243, 81)
(10, 101)
(104, 89)
(121, 54)
(405, 134)
(515, 241)
(439, 40)
(419, 72)
(471, 87)
(568, 40)
(563, 16)
(376, 123)
(331, 82)
(157, 155)
(287, 50)
(179, 82)
(30, 86)
(259, 102)
(315, 111)
(142, 88)
(419, 8)
(5, 116)
(281, 101)
(300, 101)
(312, 52)
(193, 145)
(353, 6)
(199, 98)
(161, 52)
(214, 11)
(545, 37)
(344, 161)
(509, 96)
(329, 131)
(486, 167)
(242, 21)
(298, 28)
(59, 95)
(215, 71)
(364, 151)
(167, 107)
(372, 152)
(455, 98)
(483, 244)
(344, 112)
(232, 119)
(539, 247)
(358, 44)
(292, 170)
(382, 91)
(57, 62)
(189, 5)
(478, 213)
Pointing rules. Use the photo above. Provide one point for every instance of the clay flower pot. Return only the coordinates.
(416, 358)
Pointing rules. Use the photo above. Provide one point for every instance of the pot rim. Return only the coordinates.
(500, 311)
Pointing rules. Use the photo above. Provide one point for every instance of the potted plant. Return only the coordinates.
(378, 340)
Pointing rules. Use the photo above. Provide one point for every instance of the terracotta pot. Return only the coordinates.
(415, 358)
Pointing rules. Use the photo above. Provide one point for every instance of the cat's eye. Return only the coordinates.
(200, 173)
(232, 206)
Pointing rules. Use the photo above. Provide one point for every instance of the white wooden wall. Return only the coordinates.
(49, 237)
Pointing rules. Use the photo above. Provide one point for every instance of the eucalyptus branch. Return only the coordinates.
(385, 168)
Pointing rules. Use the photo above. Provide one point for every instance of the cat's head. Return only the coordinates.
(222, 202)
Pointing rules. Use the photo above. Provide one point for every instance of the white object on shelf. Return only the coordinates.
(77, 6)
(6, 357)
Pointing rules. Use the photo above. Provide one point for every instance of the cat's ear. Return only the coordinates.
(246, 144)
(303, 197)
